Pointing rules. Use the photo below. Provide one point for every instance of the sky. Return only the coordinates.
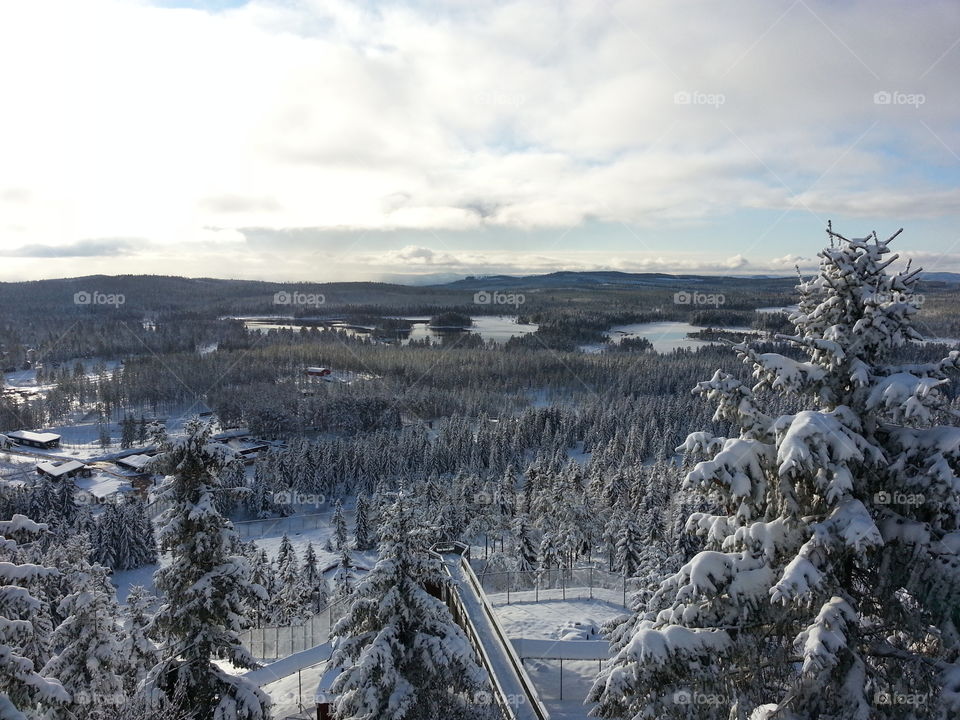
(409, 141)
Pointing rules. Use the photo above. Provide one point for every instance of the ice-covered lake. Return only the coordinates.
(665, 336)
(498, 328)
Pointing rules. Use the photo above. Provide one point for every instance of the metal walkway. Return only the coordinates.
(512, 690)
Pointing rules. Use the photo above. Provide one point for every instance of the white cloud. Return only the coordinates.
(124, 120)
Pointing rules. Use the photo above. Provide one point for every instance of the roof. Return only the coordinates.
(318, 369)
(62, 469)
(136, 462)
(32, 436)
(326, 682)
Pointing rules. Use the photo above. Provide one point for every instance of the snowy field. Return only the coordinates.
(564, 692)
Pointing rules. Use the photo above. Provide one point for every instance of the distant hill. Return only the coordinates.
(157, 293)
(947, 278)
(609, 278)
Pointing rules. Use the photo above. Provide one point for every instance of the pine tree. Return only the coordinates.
(291, 601)
(525, 549)
(137, 650)
(404, 657)
(549, 556)
(831, 573)
(629, 547)
(22, 689)
(89, 661)
(143, 540)
(65, 505)
(107, 538)
(263, 574)
(142, 431)
(361, 533)
(128, 433)
(38, 645)
(317, 594)
(205, 589)
(342, 578)
(339, 527)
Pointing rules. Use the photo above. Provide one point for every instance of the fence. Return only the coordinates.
(158, 506)
(274, 641)
(567, 584)
(252, 529)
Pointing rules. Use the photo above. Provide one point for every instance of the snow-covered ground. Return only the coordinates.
(561, 620)
(295, 692)
(556, 619)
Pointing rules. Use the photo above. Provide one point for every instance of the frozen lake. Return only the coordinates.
(665, 336)
(498, 328)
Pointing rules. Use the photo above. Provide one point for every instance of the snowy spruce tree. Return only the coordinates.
(204, 588)
(89, 659)
(363, 537)
(629, 547)
(317, 593)
(829, 588)
(404, 657)
(293, 596)
(24, 693)
(339, 527)
(138, 651)
(343, 577)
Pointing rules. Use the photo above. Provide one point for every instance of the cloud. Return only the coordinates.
(298, 119)
(229, 203)
(105, 247)
(792, 260)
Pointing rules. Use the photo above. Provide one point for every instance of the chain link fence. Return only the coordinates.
(586, 583)
(254, 529)
(274, 641)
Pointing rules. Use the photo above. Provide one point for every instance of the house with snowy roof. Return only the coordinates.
(45, 441)
(58, 471)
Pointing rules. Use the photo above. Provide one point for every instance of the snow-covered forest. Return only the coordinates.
(782, 513)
